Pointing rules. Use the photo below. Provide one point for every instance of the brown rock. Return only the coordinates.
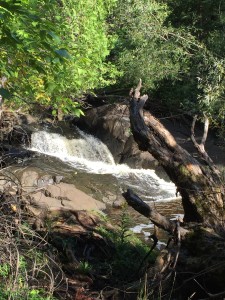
(66, 196)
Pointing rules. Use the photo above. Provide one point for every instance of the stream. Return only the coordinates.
(85, 161)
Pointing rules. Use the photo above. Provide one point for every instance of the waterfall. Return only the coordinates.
(85, 152)
(89, 154)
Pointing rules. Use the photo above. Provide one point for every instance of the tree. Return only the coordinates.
(201, 188)
(178, 47)
(146, 47)
(200, 185)
(54, 51)
(205, 22)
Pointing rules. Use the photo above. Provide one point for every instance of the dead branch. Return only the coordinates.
(156, 218)
(139, 205)
(178, 238)
(215, 296)
(206, 129)
(137, 91)
(155, 241)
(201, 147)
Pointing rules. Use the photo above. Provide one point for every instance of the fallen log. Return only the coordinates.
(200, 185)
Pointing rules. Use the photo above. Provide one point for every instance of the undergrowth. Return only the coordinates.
(45, 265)
(129, 253)
(28, 269)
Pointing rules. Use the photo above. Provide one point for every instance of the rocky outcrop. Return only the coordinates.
(111, 124)
(64, 196)
(45, 192)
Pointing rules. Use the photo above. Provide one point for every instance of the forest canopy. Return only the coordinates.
(54, 52)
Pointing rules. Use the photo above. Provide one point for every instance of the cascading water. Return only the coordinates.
(90, 155)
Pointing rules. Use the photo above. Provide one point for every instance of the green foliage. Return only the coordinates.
(84, 268)
(177, 48)
(4, 270)
(18, 289)
(129, 251)
(206, 23)
(146, 48)
(52, 52)
(26, 271)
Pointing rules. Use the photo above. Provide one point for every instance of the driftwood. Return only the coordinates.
(200, 185)
(150, 212)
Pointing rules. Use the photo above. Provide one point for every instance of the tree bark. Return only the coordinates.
(200, 186)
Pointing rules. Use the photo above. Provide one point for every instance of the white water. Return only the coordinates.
(89, 154)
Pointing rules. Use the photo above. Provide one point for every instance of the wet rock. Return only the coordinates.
(109, 197)
(27, 119)
(11, 154)
(118, 203)
(111, 124)
(57, 178)
(43, 193)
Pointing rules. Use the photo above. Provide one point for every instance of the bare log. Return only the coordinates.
(139, 205)
(150, 212)
(200, 186)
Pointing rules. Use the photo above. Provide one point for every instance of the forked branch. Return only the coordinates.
(201, 147)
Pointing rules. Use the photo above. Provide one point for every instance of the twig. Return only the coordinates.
(155, 239)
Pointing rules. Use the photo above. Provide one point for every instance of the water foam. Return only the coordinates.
(89, 154)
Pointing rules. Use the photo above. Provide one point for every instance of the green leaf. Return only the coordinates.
(5, 93)
(51, 87)
(56, 60)
(54, 36)
(63, 53)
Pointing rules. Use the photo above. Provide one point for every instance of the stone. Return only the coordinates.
(57, 178)
(46, 192)
(111, 124)
(29, 180)
(65, 196)
(119, 203)
(33, 179)
(44, 181)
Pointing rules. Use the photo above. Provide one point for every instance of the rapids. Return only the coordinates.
(85, 160)
(88, 154)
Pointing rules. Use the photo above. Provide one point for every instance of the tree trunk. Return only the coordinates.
(199, 185)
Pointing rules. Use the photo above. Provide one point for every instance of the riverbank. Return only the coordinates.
(65, 226)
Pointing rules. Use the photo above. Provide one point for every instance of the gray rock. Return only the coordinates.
(64, 196)
(119, 203)
(57, 178)
(111, 124)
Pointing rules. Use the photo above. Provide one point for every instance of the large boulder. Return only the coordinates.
(111, 124)
(64, 196)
